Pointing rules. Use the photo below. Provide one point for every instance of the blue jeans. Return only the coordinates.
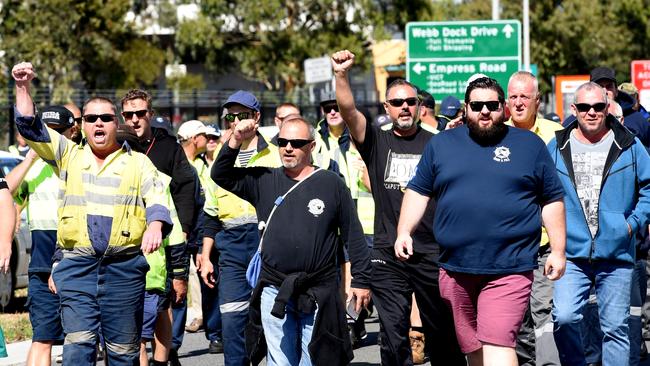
(236, 247)
(106, 292)
(612, 282)
(592, 334)
(287, 339)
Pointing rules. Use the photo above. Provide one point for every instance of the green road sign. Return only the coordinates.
(441, 56)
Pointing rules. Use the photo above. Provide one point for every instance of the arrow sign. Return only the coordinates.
(418, 68)
(507, 30)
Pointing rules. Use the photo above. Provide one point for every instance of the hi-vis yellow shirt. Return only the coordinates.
(106, 206)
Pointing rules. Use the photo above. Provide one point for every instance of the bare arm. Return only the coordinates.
(206, 267)
(413, 207)
(342, 61)
(7, 223)
(553, 216)
(23, 73)
(17, 174)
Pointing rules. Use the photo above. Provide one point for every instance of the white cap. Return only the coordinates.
(192, 128)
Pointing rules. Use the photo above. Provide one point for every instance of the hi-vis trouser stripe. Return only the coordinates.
(234, 307)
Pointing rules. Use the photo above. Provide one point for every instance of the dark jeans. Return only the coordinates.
(106, 292)
(393, 283)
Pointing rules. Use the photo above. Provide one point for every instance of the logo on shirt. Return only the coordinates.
(502, 154)
(316, 207)
(400, 168)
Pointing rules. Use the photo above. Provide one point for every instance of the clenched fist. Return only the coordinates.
(23, 73)
(342, 61)
(244, 130)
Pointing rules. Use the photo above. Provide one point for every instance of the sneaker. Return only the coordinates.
(215, 347)
(173, 358)
(58, 359)
(195, 325)
(357, 333)
(417, 347)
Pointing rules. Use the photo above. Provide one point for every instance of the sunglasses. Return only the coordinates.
(230, 117)
(91, 118)
(491, 105)
(78, 120)
(329, 108)
(398, 102)
(295, 143)
(586, 107)
(141, 113)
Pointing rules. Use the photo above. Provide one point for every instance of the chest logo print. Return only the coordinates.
(502, 154)
(316, 207)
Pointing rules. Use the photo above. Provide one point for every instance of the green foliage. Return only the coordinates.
(269, 40)
(74, 43)
(187, 82)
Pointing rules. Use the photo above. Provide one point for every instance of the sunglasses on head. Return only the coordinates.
(91, 118)
(295, 143)
(586, 107)
(230, 117)
(491, 105)
(330, 107)
(398, 102)
(141, 113)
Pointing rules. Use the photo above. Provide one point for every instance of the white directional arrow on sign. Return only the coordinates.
(507, 30)
(418, 68)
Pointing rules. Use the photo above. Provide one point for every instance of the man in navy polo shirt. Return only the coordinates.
(493, 185)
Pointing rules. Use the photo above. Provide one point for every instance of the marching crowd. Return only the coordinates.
(484, 235)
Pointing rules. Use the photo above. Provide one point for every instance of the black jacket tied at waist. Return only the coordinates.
(330, 343)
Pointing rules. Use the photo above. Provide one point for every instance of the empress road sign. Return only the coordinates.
(441, 56)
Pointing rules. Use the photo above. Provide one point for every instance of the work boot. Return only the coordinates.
(215, 347)
(417, 346)
(195, 325)
(173, 358)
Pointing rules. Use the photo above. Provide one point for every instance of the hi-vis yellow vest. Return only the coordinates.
(125, 188)
(40, 189)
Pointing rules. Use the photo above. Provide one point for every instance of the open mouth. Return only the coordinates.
(405, 115)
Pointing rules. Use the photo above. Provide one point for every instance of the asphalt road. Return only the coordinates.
(194, 350)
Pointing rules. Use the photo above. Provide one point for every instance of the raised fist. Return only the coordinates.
(245, 129)
(23, 73)
(342, 61)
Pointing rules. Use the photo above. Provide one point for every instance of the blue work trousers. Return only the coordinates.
(236, 247)
(107, 293)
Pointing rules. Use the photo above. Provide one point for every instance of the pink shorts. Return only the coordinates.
(486, 308)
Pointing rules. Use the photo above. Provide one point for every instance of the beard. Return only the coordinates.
(488, 136)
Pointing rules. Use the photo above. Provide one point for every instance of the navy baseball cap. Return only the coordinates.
(450, 106)
(57, 117)
(244, 98)
(602, 73)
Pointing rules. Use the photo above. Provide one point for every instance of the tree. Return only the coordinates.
(268, 40)
(78, 43)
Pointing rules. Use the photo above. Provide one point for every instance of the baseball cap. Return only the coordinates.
(192, 128)
(602, 73)
(57, 117)
(450, 106)
(244, 98)
(213, 130)
(628, 88)
(163, 122)
(327, 102)
(427, 100)
(553, 117)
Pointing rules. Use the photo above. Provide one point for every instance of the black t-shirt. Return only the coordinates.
(391, 162)
(303, 234)
(3, 184)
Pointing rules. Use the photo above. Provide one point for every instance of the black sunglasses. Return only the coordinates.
(330, 107)
(398, 102)
(295, 143)
(91, 118)
(491, 105)
(78, 120)
(230, 117)
(141, 113)
(586, 107)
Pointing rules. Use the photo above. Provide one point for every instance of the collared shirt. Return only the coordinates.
(543, 128)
